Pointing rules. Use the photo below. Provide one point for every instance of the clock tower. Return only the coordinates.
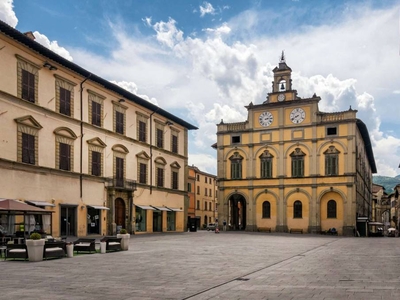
(282, 84)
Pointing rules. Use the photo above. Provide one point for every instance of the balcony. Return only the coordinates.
(122, 184)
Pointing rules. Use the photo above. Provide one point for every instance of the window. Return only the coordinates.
(331, 161)
(297, 163)
(266, 164)
(198, 205)
(119, 122)
(209, 206)
(174, 180)
(235, 139)
(236, 166)
(142, 131)
(331, 209)
(64, 96)
(96, 147)
(95, 108)
(205, 205)
(160, 138)
(189, 187)
(27, 79)
(297, 210)
(160, 177)
(210, 194)
(28, 86)
(266, 210)
(64, 148)
(142, 173)
(174, 141)
(119, 171)
(65, 102)
(331, 131)
(96, 163)
(198, 190)
(28, 148)
(65, 157)
(27, 139)
(205, 191)
(198, 177)
(205, 179)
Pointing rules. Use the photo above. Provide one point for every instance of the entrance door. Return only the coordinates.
(237, 212)
(157, 221)
(68, 220)
(120, 212)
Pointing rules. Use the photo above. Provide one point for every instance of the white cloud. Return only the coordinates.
(204, 162)
(132, 87)
(52, 45)
(224, 29)
(7, 13)
(207, 8)
(167, 33)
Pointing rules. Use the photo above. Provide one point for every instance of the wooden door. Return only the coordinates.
(120, 212)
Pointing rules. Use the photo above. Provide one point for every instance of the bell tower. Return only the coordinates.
(282, 84)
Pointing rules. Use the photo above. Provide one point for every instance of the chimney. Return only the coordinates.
(30, 35)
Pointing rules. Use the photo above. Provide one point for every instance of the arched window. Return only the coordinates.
(266, 164)
(236, 165)
(297, 162)
(297, 210)
(266, 210)
(331, 209)
(331, 161)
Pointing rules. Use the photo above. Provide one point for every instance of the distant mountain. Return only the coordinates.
(388, 182)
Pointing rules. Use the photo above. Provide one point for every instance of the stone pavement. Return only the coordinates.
(205, 265)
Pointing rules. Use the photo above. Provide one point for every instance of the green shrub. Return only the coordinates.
(122, 231)
(35, 236)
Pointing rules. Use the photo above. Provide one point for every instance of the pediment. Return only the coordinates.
(175, 165)
(120, 148)
(143, 155)
(65, 132)
(29, 121)
(160, 160)
(97, 142)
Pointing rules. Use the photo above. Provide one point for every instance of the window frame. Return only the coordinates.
(297, 210)
(297, 163)
(24, 66)
(331, 209)
(236, 165)
(266, 210)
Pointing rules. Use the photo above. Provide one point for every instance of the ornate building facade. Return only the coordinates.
(291, 166)
(97, 156)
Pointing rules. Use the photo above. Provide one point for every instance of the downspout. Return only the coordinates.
(81, 150)
(151, 150)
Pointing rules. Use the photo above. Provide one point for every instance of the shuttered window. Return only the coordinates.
(119, 122)
(28, 148)
(96, 163)
(96, 113)
(28, 86)
(65, 157)
(65, 102)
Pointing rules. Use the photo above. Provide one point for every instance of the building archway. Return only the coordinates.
(120, 213)
(237, 212)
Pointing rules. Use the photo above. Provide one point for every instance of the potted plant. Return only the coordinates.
(35, 246)
(124, 239)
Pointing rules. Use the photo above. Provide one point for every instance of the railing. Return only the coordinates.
(332, 117)
(120, 183)
(236, 126)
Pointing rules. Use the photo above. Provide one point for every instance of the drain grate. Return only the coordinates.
(242, 279)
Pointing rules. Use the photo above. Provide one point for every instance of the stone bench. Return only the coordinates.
(296, 230)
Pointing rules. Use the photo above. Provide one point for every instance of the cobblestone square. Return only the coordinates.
(204, 265)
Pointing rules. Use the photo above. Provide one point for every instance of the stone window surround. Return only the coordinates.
(143, 118)
(66, 136)
(142, 158)
(121, 152)
(118, 107)
(95, 97)
(96, 145)
(31, 67)
(69, 85)
(29, 126)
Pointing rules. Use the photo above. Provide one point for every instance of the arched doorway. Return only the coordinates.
(237, 212)
(120, 213)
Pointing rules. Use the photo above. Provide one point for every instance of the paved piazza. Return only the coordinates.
(205, 265)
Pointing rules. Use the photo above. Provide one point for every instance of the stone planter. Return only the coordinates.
(70, 250)
(103, 246)
(124, 240)
(35, 249)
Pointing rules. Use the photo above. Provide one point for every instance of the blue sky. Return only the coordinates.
(205, 60)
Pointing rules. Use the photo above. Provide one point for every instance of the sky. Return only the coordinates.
(205, 60)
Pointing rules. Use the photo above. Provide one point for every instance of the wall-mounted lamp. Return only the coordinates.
(82, 207)
(49, 66)
(121, 100)
(169, 123)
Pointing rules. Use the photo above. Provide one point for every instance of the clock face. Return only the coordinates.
(297, 115)
(266, 119)
(281, 97)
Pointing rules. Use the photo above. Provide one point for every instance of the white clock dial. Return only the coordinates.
(266, 118)
(281, 97)
(297, 115)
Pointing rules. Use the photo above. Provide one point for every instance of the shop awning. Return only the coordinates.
(145, 207)
(161, 208)
(174, 209)
(98, 207)
(40, 203)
